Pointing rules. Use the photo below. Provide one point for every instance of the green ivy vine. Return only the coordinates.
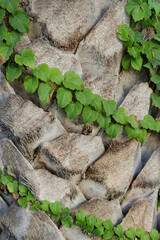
(69, 89)
(63, 216)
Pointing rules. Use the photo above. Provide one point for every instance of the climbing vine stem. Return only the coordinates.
(90, 224)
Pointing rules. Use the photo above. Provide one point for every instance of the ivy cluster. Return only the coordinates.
(143, 46)
(69, 90)
(60, 215)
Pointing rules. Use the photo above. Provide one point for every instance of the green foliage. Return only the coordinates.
(109, 107)
(44, 92)
(66, 219)
(73, 109)
(12, 186)
(64, 97)
(89, 115)
(90, 224)
(42, 72)
(156, 100)
(23, 202)
(11, 6)
(30, 84)
(20, 21)
(5, 51)
(2, 14)
(26, 58)
(6, 179)
(73, 81)
(13, 72)
(85, 97)
(120, 116)
(113, 130)
(23, 190)
(56, 76)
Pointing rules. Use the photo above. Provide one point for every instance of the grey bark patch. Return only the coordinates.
(29, 124)
(100, 52)
(114, 171)
(25, 224)
(71, 154)
(47, 186)
(142, 213)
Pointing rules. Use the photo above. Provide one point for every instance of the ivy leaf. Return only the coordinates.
(36, 206)
(148, 122)
(5, 51)
(154, 234)
(66, 219)
(73, 81)
(120, 116)
(45, 206)
(133, 7)
(142, 135)
(155, 78)
(147, 50)
(131, 233)
(156, 100)
(12, 186)
(134, 51)
(6, 179)
(20, 21)
(109, 107)
(140, 231)
(146, 9)
(89, 115)
(85, 97)
(42, 72)
(27, 58)
(64, 97)
(138, 37)
(136, 63)
(126, 34)
(56, 76)
(108, 234)
(23, 202)
(30, 84)
(103, 121)
(145, 237)
(55, 218)
(108, 224)
(56, 207)
(12, 38)
(73, 109)
(3, 32)
(67, 222)
(44, 92)
(131, 132)
(1, 172)
(99, 222)
(113, 130)
(157, 126)
(99, 231)
(2, 14)
(132, 121)
(154, 5)
(96, 102)
(30, 197)
(11, 6)
(13, 71)
(23, 190)
(80, 218)
(126, 61)
(119, 231)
